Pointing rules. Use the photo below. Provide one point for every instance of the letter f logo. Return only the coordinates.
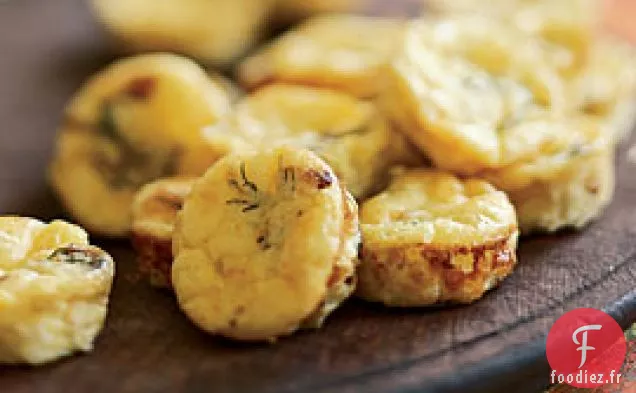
(601, 346)
(583, 344)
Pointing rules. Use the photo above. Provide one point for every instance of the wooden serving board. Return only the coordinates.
(48, 47)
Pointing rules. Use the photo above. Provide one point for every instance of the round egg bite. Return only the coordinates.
(214, 31)
(357, 141)
(139, 119)
(266, 243)
(500, 49)
(154, 212)
(343, 52)
(571, 24)
(433, 238)
(54, 290)
(432, 97)
(568, 184)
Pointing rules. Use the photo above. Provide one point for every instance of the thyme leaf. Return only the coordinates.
(253, 206)
(246, 182)
(237, 201)
(246, 188)
(289, 177)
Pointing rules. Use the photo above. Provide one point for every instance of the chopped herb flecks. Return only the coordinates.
(246, 182)
(247, 188)
(289, 178)
(263, 243)
(107, 125)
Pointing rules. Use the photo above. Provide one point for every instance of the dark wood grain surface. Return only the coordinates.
(48, 47)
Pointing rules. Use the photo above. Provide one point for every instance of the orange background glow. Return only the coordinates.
(620, 16)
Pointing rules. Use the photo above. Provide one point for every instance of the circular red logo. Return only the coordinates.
(586, 348)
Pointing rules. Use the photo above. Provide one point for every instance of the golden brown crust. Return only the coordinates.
(434, 238)
(425, 274)
(154, 256)
(342, 281)
(154, 215)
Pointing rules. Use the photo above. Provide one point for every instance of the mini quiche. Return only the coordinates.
(344, 52)
(432, 96)
(571, 24)
(597, 70)
(139, 119)
(266, 243)
(54, 290)
(501, 50)
(350, 134)
(154, 213)
(214, 31)
(433, 238)
(568, 184)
